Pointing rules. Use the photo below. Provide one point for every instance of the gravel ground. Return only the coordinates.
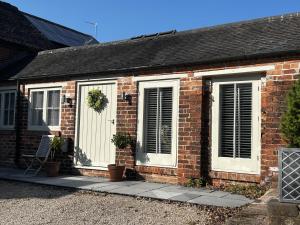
(22, 203)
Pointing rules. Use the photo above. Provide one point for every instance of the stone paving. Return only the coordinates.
(200, 196)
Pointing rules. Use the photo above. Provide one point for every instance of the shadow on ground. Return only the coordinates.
(20, 190)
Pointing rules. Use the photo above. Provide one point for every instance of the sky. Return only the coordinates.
(122, 19)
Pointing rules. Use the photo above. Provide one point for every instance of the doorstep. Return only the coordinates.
(176, 193)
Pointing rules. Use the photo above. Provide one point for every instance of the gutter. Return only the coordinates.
(17, 125)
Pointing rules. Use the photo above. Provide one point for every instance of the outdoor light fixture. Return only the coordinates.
(127, 97)
(67, 100)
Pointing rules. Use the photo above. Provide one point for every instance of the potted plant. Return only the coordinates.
(52, 166)
(121, 141)
(290, 122)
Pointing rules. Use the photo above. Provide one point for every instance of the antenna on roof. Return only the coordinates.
(95, 24)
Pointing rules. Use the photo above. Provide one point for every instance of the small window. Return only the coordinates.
(7, 109)
(44, 111)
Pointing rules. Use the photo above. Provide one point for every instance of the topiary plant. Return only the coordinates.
(122, 140)
(290, 122)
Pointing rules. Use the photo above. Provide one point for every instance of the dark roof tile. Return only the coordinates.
(256, 38)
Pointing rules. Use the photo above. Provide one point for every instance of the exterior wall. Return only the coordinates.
(7, 137)
(194, 125)
(273, 95)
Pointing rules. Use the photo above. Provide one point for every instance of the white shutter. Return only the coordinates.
(151, 120)
(235, 120)
(158, 120)
(243, 120)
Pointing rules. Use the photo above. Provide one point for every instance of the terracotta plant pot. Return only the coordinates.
(115, 172)
(52, 169)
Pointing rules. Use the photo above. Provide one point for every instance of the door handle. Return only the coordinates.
(112, 121)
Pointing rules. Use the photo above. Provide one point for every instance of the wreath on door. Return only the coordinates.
(96, 100)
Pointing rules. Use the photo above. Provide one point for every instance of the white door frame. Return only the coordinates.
(152, 159)
(77, 116)
(237, 165)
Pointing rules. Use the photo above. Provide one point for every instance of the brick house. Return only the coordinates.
(204, 102)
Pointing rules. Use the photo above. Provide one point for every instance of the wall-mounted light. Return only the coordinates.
(127, 97)
(67, 100)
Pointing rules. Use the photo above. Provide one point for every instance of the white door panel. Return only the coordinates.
(95, 130)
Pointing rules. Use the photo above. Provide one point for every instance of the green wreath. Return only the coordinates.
(96, 100)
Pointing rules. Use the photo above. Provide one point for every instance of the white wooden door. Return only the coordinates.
(95, 130)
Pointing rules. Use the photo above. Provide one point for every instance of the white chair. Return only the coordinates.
(41, 155)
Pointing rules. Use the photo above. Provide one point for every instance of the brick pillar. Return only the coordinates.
(189, 132)
(126, 119)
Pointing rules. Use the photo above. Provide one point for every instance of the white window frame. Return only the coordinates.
(238, 165)
(2, 93)
(45, 101)
(153, 159)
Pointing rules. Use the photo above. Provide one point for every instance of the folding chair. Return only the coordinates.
(41, 155)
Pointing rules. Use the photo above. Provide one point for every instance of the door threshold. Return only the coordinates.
(92, 168)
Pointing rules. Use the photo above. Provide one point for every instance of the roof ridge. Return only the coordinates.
(57, 24)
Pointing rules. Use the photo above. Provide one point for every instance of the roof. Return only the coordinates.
(60, 34)
(15, 28)
(264, 37)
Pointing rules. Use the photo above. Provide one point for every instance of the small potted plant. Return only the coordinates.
(52, 166)
(121, 141)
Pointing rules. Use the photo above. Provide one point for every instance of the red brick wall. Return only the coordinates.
(194, 124)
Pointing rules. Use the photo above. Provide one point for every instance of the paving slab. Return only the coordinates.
(184, 197)
(129, 190)
(199, 196)
(157, 194)
(222, 202)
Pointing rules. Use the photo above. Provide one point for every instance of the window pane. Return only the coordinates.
(53, 117)
(53, 99)
(166, 120)
(150, 122)
(243, 120)
(226, 120)
(37, 99)
(53, 106)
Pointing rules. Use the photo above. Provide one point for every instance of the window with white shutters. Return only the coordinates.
(158, 120)
(235, 120)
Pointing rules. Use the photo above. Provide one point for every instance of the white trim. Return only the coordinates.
(92, 168)
(249, 69)
(97, 79)
(45, 101)
(239, 165)
(45, 85)
(160, 77)
(153, 159)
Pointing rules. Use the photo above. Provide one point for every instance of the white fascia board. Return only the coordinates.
(249, 69)
(161, 77)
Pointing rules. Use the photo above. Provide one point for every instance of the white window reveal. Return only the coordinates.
(7, 109)
(44, 110)
(157, 127)
(236, 125)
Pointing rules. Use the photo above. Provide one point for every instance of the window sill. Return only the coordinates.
(43, 128)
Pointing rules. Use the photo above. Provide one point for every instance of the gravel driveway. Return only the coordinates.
(22, 203)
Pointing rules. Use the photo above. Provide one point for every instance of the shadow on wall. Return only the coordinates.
(81, 158)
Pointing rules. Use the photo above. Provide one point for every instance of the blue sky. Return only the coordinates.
(120, 19)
